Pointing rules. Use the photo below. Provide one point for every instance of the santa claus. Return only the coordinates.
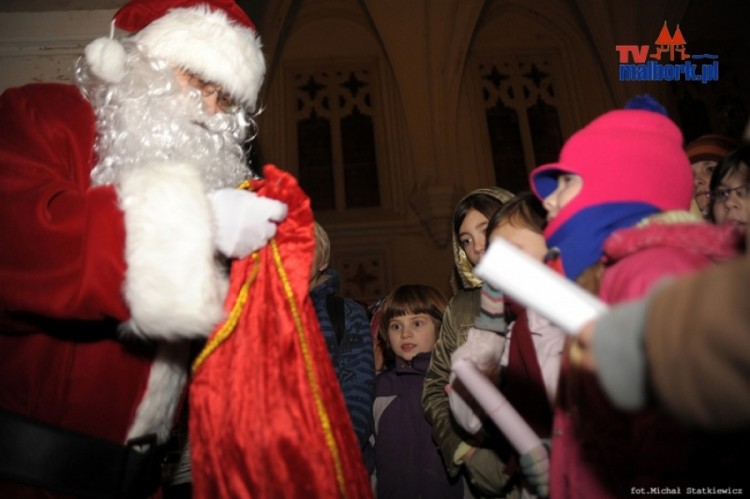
(117, 207)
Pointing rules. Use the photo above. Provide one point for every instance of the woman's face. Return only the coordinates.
(731, 198)
(471, 235)
(530, 242)
(568, 187)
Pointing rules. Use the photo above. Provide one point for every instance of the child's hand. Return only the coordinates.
(484, 348)
(535, 466)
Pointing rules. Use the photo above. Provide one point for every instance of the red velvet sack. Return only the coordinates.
(267, 417)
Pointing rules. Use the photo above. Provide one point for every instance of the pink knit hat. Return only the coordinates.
(624, 156)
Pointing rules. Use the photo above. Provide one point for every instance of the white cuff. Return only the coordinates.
(173, 284)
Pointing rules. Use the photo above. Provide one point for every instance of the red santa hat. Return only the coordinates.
(214, 39)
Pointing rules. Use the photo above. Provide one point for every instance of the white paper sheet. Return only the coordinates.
(497, 407)
(538, 287)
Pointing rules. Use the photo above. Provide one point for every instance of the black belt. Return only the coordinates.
(69, 462)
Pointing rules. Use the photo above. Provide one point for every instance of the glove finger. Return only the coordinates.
(267, 231)
(253, 240)
(279, 213)
(270, 209)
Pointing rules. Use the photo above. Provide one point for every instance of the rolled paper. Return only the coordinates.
(538, 287)
(497, 407)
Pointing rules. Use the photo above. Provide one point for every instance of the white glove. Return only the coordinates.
(462, 413)
(484, 348)
(245, 222)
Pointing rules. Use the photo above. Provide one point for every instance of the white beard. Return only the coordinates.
(147, 117)
(152, 137)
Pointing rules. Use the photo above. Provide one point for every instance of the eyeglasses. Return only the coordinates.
(224, 100)
(723, 195)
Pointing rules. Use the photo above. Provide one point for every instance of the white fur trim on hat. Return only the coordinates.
(211, 45)
(106, 58)
(173, 285)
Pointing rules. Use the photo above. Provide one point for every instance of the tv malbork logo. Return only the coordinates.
(641, 63)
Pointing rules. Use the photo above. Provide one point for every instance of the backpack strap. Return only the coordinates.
(336, 312)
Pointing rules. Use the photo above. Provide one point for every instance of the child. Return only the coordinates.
(617, 204)
(407, 461)
(460, 452)
(704, 154)
(346, 330)
(521, 223)
(531, 361)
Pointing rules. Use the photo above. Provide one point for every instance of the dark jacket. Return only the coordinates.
(407, 460)
(352, 359)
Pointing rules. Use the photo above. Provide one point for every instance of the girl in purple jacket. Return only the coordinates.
(407, 462)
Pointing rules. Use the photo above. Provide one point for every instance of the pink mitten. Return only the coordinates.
(484, 348)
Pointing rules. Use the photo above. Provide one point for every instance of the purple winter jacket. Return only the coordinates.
(407, 460)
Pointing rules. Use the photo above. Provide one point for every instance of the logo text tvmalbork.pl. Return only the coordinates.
(641, 63)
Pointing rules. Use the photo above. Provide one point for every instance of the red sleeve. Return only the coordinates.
(62, 251)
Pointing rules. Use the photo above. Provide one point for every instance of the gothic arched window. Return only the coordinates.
(336, 137)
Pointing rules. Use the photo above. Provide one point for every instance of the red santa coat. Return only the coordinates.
(78, 261)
